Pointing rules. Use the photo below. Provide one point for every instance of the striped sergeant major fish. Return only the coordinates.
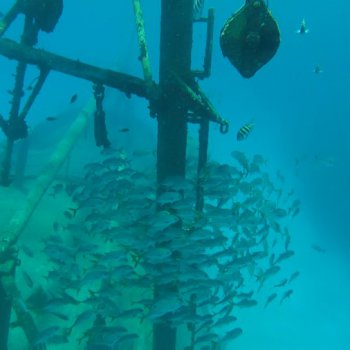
(244, 131)
(198, 6)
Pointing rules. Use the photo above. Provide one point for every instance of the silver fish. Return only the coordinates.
(286, 255)
(286, 295)
(270, 298)
(45, 335)
(247, 303)
(281, 283)
(293, 276)
(318, 249)
(233, 334)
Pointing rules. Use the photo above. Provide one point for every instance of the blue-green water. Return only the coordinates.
(301, 129)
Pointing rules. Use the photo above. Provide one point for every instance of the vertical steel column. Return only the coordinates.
(202, 160)
(29, 37)
(175, 58)
(5, 314)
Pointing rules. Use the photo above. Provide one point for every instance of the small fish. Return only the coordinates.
(73, 98)
(233, 334)
(45, 335)
(131, 313)
(287, 242)
(244, 294)
(51, 119)
(294, 208)
(57, 314)
(281, 283)
(318, 69)
(293, 276)
(226, 321)
(244, 131)
(246, 303)
(81, 318)
(30, 86)
(270, 271)
(27, 279)
(56, 226)
(286, 295)
(161, 307)
(73, 211)
(286, 255)
(303, 29)
(124, 130)
(27, 251)
(325, 160)
(68, 214)
(318, 249)
(270, 298)
(207, 337)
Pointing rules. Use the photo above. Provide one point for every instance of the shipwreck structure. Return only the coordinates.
(249, 39)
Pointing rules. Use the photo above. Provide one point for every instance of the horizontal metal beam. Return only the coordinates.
(47, 60)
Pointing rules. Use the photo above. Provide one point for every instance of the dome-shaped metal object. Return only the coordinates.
(250, 37)
(45, 12)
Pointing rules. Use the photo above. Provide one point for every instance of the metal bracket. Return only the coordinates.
(205, 73)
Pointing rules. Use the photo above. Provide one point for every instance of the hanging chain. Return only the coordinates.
(100, 129)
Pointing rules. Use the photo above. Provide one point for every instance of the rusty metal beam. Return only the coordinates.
(47, 60)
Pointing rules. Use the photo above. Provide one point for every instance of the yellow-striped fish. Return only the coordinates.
(244, 131)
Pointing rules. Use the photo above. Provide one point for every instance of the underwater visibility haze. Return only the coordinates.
(171, 209)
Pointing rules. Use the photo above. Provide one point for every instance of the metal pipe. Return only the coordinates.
(10, 17)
